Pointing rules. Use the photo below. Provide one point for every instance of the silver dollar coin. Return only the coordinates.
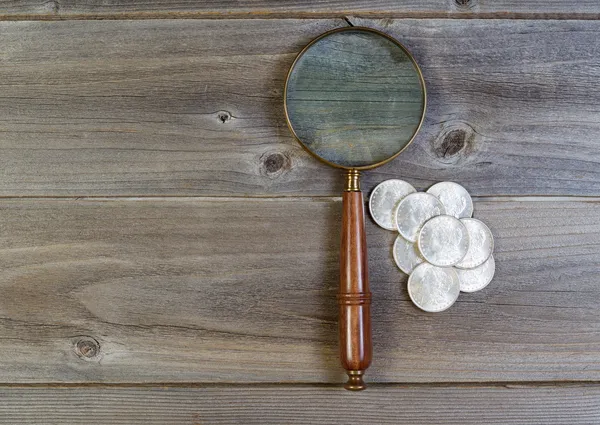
(443, 241)
(413, 211)
(472, 280)
(406, 255)
(432, 288)
(455, 198)
(385, 198)
(481, 244)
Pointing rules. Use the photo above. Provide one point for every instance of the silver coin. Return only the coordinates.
(406, 255)
(455, 198)
(385, 198)
(443, 241)
(481, 244)
(432, 288)
(413, 211)
(472, 280)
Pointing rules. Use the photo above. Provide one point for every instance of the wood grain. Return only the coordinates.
(87, 9)
(194, 107)
(212, 405)
(210, 290)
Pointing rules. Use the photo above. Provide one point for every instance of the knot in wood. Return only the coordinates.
(463, 3)
(273, 164)
(456, 143)
(87, 348)
(52, 6)
(223, 116)
(453, 142)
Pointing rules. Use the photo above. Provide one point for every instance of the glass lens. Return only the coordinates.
(355, 98)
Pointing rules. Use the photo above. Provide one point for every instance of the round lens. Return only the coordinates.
(355, 98)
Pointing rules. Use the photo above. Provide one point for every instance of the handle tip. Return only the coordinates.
(355, 380)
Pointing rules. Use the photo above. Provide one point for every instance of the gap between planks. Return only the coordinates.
(177, 198)
(274, 385)
(300, 15)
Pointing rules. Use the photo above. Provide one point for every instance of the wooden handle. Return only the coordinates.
(354, 297)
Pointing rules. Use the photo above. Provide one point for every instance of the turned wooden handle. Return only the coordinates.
(354, 297)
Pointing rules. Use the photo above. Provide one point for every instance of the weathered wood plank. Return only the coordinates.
(525, 405)
(149, 107)
(208, 290)
(194, 107)
(39, 9)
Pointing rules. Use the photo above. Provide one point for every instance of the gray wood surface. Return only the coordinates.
(227, 290)
(237, 292)
(39, 9)
(283, 404)
(194, 107)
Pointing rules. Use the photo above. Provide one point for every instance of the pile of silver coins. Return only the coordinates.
(440, 246)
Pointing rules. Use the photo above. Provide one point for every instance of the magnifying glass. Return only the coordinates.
(354, 98)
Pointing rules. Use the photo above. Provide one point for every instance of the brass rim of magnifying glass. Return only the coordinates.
(397, 43)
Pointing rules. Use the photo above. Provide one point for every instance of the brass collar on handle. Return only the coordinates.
(352, 181)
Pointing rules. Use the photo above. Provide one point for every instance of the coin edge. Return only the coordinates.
(421, 250)
(394, 212)
(398, 207)
(435, 311)
(491, 237)
(461, 186)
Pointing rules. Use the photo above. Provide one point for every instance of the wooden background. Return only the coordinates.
(169, 253)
